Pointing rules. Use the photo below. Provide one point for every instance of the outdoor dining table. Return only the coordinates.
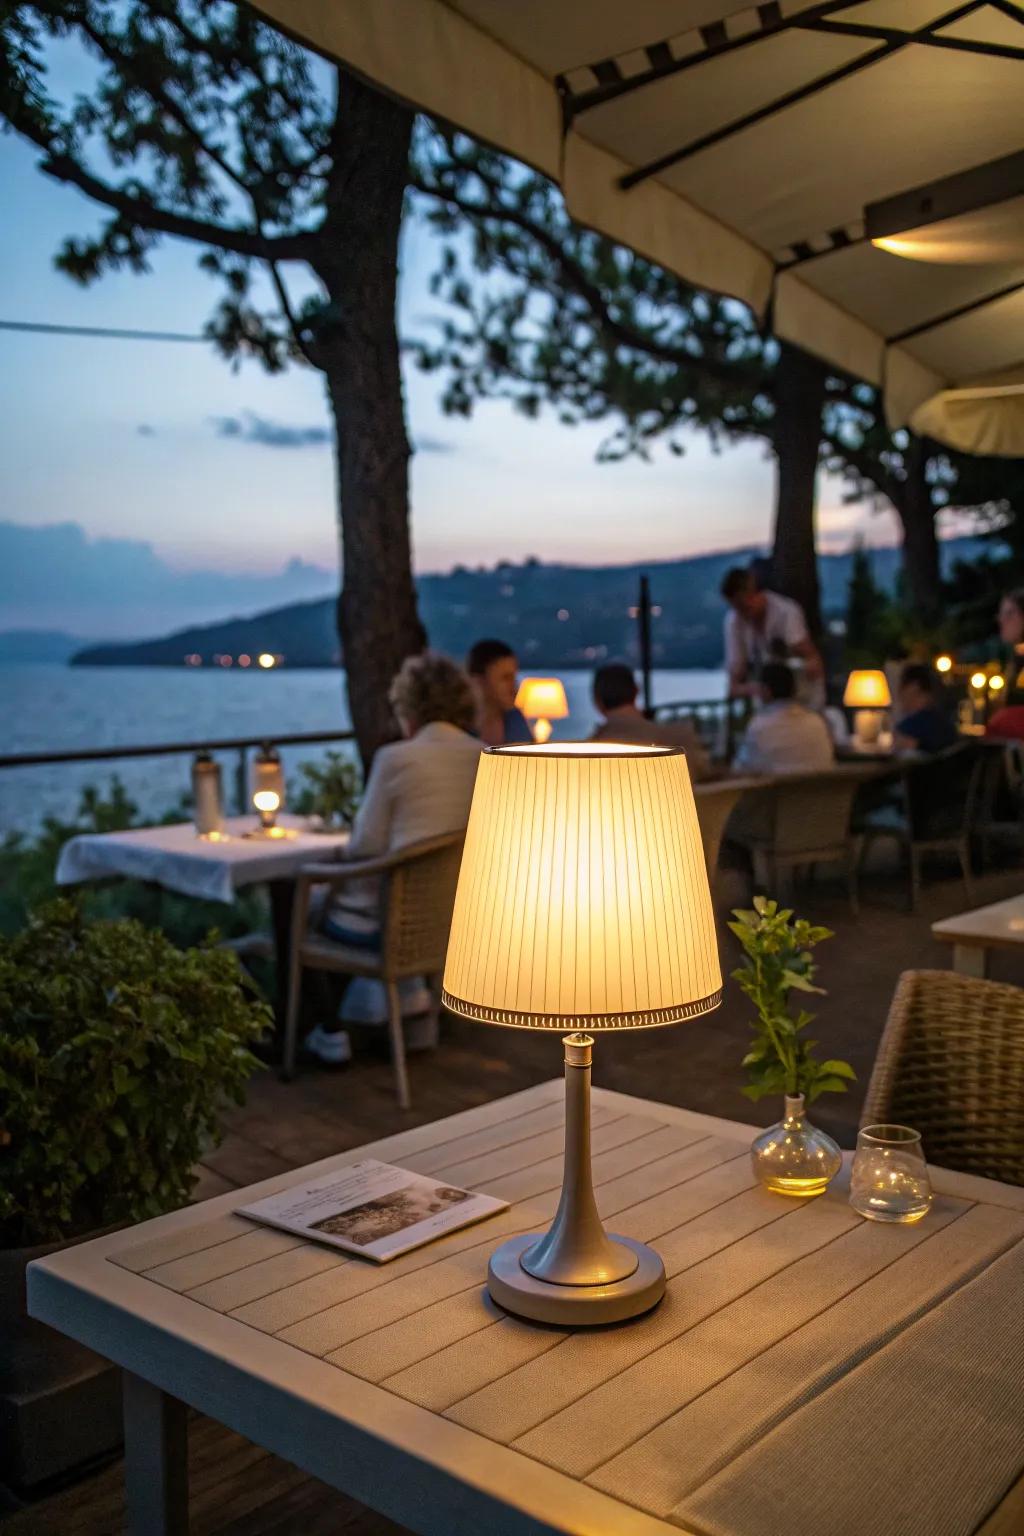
(975, 934)
(807, 1371)
(177, 858)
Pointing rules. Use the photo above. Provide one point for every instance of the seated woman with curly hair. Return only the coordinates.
(418, 787)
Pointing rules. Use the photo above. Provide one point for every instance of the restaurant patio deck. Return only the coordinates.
(236, 1486)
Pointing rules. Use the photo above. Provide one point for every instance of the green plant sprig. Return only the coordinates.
(777, 961)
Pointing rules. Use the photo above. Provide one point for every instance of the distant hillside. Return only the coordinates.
(20, 645)
(554, 615)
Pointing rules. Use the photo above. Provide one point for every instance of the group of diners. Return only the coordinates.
(772, 660)
(421, 786)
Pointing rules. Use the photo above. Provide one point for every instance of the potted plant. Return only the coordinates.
(793, 1157)
(117, 1054)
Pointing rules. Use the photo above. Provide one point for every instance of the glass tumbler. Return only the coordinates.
(890, 1177)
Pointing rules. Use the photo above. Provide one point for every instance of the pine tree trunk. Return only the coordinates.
(357, 347)
(799, 397)
(920, 536)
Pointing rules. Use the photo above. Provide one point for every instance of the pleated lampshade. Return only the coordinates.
(583, 899)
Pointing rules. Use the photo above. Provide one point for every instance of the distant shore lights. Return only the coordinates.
(267, 660)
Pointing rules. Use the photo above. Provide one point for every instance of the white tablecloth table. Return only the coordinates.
(177, 858)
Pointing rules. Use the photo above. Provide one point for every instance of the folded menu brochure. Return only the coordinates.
(373, 1209)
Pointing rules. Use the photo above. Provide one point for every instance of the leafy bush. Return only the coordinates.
(777, 961)
(117, 1053)
(331, 790)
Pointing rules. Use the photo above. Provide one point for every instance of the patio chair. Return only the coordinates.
(951, 1064)
(800, 820)
(417, 894)
(939, 800)
(715, 804)
(1000, 809)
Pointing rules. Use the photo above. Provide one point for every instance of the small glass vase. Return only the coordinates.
(795, 1157)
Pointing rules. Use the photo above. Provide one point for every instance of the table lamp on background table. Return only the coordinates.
(542, 699)
(868, 693)
(582, 905)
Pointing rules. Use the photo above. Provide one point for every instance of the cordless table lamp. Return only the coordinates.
(582, 905)
(868, 693)
(542, 699)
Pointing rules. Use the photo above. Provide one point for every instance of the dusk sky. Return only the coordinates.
(220, 471)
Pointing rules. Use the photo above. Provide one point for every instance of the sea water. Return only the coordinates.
(51, 708)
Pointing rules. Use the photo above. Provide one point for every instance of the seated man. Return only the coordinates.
(921, 726)
(492, 669)
(615, 694)
(419, 787)
(784, 736)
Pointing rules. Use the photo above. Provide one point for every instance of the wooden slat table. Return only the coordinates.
(807, 1371)
(974, 934)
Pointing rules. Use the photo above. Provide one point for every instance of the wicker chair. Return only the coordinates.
(800, 819)
(417, 894)
(951, 1064)
(715, 803)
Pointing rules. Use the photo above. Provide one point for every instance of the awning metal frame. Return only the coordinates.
(800, 93)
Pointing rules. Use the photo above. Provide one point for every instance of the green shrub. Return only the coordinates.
(331, 790)
(117, 1053)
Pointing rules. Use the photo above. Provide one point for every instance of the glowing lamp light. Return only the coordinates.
(868, 693)
(996, 682)
(266, 660)
(542, 699)
(267, 802)
(978, 679)
(867, 690)
(943, 663)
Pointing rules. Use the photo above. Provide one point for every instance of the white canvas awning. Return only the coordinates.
(740, 149)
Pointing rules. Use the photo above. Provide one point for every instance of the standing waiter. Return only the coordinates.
(764, 626)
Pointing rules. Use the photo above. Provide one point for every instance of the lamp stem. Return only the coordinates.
(576, 1250)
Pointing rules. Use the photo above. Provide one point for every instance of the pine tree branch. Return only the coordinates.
(243, 242)
(575, 280)
(128, 64)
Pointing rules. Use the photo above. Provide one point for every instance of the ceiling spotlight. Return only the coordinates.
(975, 217)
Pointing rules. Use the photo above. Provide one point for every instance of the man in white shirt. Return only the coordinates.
(784, 736)
(763, 626)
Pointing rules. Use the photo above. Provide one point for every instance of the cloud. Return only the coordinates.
(57, 577)
(250, 428)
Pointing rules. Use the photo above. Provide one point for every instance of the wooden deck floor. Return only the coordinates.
(238, 1488)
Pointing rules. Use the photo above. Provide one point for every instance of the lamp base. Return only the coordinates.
(574, 1306)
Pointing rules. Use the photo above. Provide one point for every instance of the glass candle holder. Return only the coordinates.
(890, 1176)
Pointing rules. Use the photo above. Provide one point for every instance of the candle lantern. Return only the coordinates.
(206, 795)
(268, 774)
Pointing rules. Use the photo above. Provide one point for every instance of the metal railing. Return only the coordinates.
(704, 712)
(240, 744)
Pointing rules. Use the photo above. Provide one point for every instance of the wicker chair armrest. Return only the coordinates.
(340, 873)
